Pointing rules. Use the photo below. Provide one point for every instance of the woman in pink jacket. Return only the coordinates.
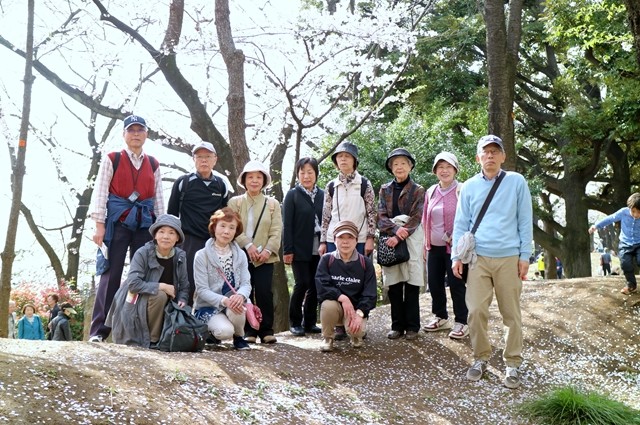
(440, 203)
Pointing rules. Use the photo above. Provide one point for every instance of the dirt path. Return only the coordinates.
(578, 331)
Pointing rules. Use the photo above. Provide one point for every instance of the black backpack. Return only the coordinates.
(181, 330)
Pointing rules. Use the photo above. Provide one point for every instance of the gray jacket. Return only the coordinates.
(209, 282)
(128, 321)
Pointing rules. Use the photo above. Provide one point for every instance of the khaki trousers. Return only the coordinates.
(155, 314)
(332, 315)
(499, 276)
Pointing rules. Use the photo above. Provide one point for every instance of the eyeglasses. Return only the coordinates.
(492, 152)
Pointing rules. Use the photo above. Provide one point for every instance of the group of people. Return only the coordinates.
(216, 253)
(30, 325)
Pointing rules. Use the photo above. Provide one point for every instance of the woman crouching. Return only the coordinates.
(223, 283)
(158, 272)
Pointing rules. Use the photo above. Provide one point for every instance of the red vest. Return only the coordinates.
(126, 178)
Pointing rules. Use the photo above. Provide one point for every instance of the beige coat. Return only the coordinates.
(269, 232)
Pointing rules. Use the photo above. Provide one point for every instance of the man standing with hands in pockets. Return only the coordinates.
(503, 247)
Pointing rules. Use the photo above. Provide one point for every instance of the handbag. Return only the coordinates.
(254, 314)
(388, 256)
(466, 247)
(181, 330)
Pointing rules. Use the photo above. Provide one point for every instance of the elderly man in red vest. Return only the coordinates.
(127, 199)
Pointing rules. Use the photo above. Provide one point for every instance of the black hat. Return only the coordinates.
(347, 147)
(399, 152)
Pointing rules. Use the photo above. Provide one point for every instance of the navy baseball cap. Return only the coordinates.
(488, 140)
(134, 119)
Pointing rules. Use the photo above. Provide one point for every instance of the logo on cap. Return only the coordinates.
(134, 119)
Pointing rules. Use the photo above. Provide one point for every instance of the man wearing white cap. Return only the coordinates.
(503, 242)
(127, 198)
(194, 198)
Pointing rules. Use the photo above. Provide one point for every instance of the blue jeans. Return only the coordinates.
(627, 256)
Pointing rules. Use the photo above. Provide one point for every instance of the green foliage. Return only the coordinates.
(569, 406)
(36, 294)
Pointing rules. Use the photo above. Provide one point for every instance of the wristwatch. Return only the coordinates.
(360, 313)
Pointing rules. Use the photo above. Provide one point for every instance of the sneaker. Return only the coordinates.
(212, 340)
(357, 342)
(313, 330)
(411, 335)
(475, 372)
(459, 331)
(251, 339)
(240, 344)
(394, 334)
(96, 338)
(268, 339)
(512, 377)
(341, 334)
(327, 345)
(297, 331)
(438, 324)
(628, 290)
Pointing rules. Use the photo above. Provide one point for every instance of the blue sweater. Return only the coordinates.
(629, 226)
(507, 227)
(30, 330)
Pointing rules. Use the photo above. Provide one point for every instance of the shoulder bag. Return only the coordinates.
(181, 330)
(388, 256)
(466, 247)
(254, 314)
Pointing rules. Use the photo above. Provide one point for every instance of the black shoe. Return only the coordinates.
(212, 340)
(240, 344)
(341, 333)
(313, 330)
(296, 331)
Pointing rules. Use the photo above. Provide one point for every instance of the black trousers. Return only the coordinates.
(439, 268)
(303, 307)
(123, 240)
(191, 245)
(405, 307)
(262, 296)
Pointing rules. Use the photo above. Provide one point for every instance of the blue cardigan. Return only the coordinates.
(30, 330)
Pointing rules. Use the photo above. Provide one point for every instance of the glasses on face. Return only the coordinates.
(491, 152)
(204, 157)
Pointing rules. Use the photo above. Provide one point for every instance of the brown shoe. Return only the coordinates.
(268, 339)
(628, 291)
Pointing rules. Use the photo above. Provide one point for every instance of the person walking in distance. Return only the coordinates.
(503, 243)
(126, 201)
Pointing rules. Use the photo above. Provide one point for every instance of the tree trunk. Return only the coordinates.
(234, 60)
(9, 253)
(575, 241)
(503, 43)
(633, 14)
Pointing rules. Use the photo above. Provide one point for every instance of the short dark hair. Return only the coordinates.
(55, 297)
(308, 160)
(634, 201)
(228, 215)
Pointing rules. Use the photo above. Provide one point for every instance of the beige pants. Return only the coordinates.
(332, 315)
(155, 314)
(226, 324)
(499, 276)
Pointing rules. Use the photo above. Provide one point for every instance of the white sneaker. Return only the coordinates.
(512, 377)
(459, 331)
(96, 338)
(438, 324)
(327, 345)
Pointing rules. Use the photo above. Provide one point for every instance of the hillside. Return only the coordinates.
(578, 331)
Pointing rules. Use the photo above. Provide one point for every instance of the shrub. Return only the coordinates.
(569, 406)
